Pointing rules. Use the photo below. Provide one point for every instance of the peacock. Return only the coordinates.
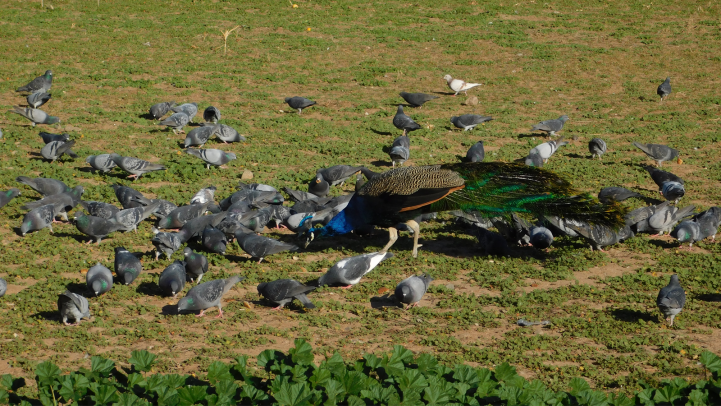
(491, 188)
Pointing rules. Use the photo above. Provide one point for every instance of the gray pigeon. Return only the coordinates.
(37, 219)
(417, 99)
(36, 116)
(476, 153)
(99, 279)
(673, 191)
(55, 149)
(102, 162)
(600, 236)
(6, 196)
(349, 271)
(73, 306)
(44, 186)
(228, 134)
(50, 137)
(129, 219)
(129, 197)
(611, 194)
(215, 157)
(541, 237)
(551, 127)
(299, 103)
(709, 222)
(664, 89)
(127, 266)
(260, 247)
(469, 121)
(135, 166)
(597, 147)
(561, 226)
(3, 287)
(547, 149)
(190, 110)
(299, 196)
(338, 174)
(214, 240)
(166, 243)
(206, 295)
(211, 115)
(671, 299)
(660, 177)
(411, 290)
(201, 135)
(172, 279)
(161, 109)
(283, 291)
(41, 83)
(62, 202)
(657, 152)
(178, 217)
(687, 231)
(176, 122)
(38, 98)
(534, 159)
(205, 195)
(95, 227)
(318, 186)
(164, 209)
(196, 264)
(400, 150)
(194, 228)
(402, 122)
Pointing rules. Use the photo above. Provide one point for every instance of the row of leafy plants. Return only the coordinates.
(294, 379)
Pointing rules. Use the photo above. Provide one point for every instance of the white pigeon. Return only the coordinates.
(458, 85)
(547, 149)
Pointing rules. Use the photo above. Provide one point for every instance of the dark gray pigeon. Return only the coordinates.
(541, 237)
(318, 186)
(129, 197)
(664, 89)
(349, 271)
(417, 99)
(135, 166)
(214, 240)
(200, 135)
(36, 116)
(299, 103)
(127, 266)
(129, 219)
(172, 279)
(411, 290)
(687, 231)
(102, 162)
(673, 191)
(55, 149)
(62, 202)
(671, 299)
(299, 196)
(228, 134)
(73, 306)
(160, 109)
(166, 243)
(490, 243)
(194, 228)
(50, 137)
(657, 152)
(400, 151)
(176, 122)
(190, 109)
(611, 194)
(37, 219)
(660, 177)
(206, 295)
(402, 122)
(260, 247)
(8, 195)
(600, 236)
(99, 279)
(164, 209)
(597, 147)
(709, 222)
(205, 195)
(551, 127)
(41, 83)
(476, 153)
(215, 157)
(196, 265)
(183, 214)
(211, 115)
(3, 287)
(283, 291)
(561, 226)
(469, 121)
(338, 174)
(95, 227)
(38, 98)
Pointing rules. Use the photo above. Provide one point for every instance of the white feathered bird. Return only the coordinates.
(458, 85)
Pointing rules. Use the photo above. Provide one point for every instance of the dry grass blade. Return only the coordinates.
(226, 34)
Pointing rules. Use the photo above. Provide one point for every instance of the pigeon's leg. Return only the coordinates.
(300, 112)
(220, 312)
(133, 176)
(157, 255)
(199, 278)
(50, 226)
(672, 317)
(261, 258)
(201, 314)
(392, 237)
(416, 231)
(89, 241)
(278, 308)
(346, 287)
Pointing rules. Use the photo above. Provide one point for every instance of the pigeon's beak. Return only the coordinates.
(317, 181)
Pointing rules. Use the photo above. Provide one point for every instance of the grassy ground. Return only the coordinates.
(598, 62)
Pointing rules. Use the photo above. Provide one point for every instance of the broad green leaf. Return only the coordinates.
(103, 394)
(155, 383)
(129, 399)
(591, 398)
(4, 397)
(535, 387)
(353, 382)
(226, 389)
(439, 391)
(191, 395)
(252, 393)
(411, 381)
(136, 379)
(667, 393)
(698, 397)
(466, 374)
(101, 366)
(427, 363)
(175, 381)
(711, 361)
(505, 372)
(510, 394)
(296, 394)
(219, 371)
(355, 401)
(402, 354)
(335, 364)
(6, 381)
(298, 373)
(620, 400)
(47, 374)
(372, 361)
(334, 391)
(268, 358)
(73, 387)
(302, 353)
(142, 360)
(320, 377)
(167, 396)
(578, 384)
(646, 397)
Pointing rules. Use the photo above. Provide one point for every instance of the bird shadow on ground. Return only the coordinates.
(381, 302)
(172, 310)
(48, 316)
(83, 239)
(577, 156)
(380, 163)
(79, 288)
(709, 297)
(530, 135)
(633, 316)
(146, 116)
(462, 158)
(664, 244)
(149, 289)
(381, 132)
(445, 93)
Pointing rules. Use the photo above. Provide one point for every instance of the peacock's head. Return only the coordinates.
(306, 232)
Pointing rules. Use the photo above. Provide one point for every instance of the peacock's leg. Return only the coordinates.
(416, 232)
(392, 237)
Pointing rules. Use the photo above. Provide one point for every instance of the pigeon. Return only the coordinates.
(673, 191)
(228, 134)
(338, 174)
(469, 121)
(657, 152)
(283, 291)
(214, 240)
(359, 181)
(561, 226)
(214, 157)
(411, 290)
(176, 122)
(260, 247)
(201, 135)
(166, 243)
(50, 137)
(701, 226)
(541, 237)
(417, 99)
(664, 89)
(534, 159)
(37, 219)
(551, 127)
(194, 228)
(99, 279)
(211, 115)
(172, 279)
(616, 194)
(129, 219)
(547, 149)
(476, 153)
(8, 195)
(38, 98)
(135, 166)
(687, 231)
(102, 162)
(490, 243)
(44, 186)
(299, 196)
(196, 264)
(39, 84)
(205, 195)
(62, 203)
(160, 109)
(55, 149)
(299, 103)
(206, 295)
(73, 306)
(164, 209)
(127, 265)
(318, 186)
(458, 85)
(600, 236)
(662, 177)
(36, 116)
(400, 150)
(94, 227)
(709, 222)
(671, 299)
(597, 147)
(3, 287)
(349, 271)
(178, 217)
(190, 110)
(129, 197)
(402, 122)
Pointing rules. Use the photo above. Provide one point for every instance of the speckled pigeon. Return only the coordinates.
(73, 306)
(136, 166)
(206, 295)
(657, 152)
(283, 291)
(597, 147)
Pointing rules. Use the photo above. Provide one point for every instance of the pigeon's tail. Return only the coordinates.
(20, 110)
(642, 148)
(72, 154)
(26, 181)
(154, 167)
(306, 302)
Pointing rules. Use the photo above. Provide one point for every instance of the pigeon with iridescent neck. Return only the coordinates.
(99, 279)
(127, 266)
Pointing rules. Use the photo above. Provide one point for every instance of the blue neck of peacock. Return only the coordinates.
(347, 220)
